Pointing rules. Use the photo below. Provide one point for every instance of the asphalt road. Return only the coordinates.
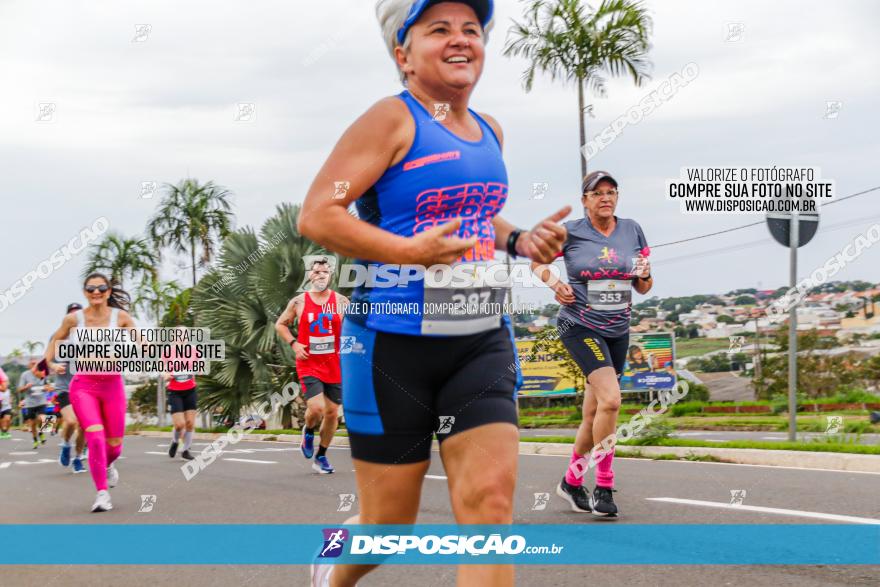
(265, 482)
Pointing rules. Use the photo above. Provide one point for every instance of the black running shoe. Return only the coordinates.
(185, 455)
(602, 502)
(172, 450)
(576, 496)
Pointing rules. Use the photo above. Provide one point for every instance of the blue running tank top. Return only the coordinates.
(442, 177)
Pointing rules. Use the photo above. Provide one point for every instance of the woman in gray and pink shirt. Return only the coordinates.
(606, 258)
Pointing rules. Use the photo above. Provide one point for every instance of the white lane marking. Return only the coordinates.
(766, 510)
(26, 453)
(152, 452)
(5, 465)
(252, 461)
(41, 461)
(435, 477)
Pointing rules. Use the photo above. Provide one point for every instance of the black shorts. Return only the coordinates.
(63, 399)
(182, 401)
(312, 387)
(401, 390)
(32, 413)
(5, 413)
(592, 350)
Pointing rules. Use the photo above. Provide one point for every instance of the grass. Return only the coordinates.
(837, 447)
(693, 347)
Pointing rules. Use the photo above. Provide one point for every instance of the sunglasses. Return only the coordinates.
(93, 288)
(594, 195)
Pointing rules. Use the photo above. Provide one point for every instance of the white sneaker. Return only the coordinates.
(102, 502)
(321, 575)
(112, 476)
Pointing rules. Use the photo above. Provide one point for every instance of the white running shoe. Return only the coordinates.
(102, 502)
(321, 575)
(112, 476)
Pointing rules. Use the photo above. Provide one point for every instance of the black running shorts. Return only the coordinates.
(313, 387)
(592, 350)
(401, 390)
(63, 399)
(182, 401)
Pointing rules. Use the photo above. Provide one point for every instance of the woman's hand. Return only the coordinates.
(545, 240)
(564, 293)
(435, 246)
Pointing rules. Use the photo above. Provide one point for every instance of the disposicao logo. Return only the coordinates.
(334, 542)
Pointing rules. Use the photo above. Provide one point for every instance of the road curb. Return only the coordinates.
(742, 456)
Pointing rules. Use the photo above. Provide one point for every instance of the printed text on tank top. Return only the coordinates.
(443, 177)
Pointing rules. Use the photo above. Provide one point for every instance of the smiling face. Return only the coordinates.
(447, 47)
(96, 297)
(600, 204)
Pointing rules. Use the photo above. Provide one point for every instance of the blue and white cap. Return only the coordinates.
(483, 8)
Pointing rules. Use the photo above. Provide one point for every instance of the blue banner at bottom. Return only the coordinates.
(569, 544)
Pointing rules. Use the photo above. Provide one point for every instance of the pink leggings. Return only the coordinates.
(99, 400)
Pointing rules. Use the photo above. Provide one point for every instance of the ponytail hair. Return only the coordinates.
(119, 298)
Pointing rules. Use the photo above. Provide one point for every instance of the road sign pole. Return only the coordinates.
(792, 331)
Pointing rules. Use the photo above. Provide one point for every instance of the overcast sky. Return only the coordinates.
(159, 104)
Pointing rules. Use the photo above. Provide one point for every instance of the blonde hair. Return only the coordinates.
(392, 14)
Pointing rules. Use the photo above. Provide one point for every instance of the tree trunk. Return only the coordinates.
(582, 125)
(192, 255)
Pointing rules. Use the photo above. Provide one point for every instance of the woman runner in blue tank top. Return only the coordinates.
(422, 355)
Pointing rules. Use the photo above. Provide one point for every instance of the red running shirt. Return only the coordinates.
(319, 328)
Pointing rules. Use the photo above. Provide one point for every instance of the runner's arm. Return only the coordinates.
(343, 303)
(360, 158)
(643, 285)
(366, 150)
(68, 323)
(290, 314)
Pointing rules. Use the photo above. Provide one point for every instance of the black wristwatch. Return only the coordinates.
(511, 242)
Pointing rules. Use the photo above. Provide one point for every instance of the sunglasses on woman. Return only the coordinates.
(99, 288)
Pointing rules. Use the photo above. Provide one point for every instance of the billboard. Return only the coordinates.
(543, 374)
(650, 363)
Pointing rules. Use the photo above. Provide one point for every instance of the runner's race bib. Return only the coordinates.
(322, 345)
(466, 298)
(609, 294)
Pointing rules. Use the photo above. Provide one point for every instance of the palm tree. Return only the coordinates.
(192, 216)
(32, 346)
(152, 297)
(124, 259)
(239, 301)
(15, 354)
(178, 312)
(561, 38)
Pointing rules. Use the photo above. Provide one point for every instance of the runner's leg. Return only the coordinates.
(88, 411)
(329, 423)
(388, 494)
(481, 465)
(189, 426)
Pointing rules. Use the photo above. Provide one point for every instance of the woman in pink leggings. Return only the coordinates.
(98, 399)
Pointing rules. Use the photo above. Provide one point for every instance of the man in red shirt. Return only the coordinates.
(318, 313)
